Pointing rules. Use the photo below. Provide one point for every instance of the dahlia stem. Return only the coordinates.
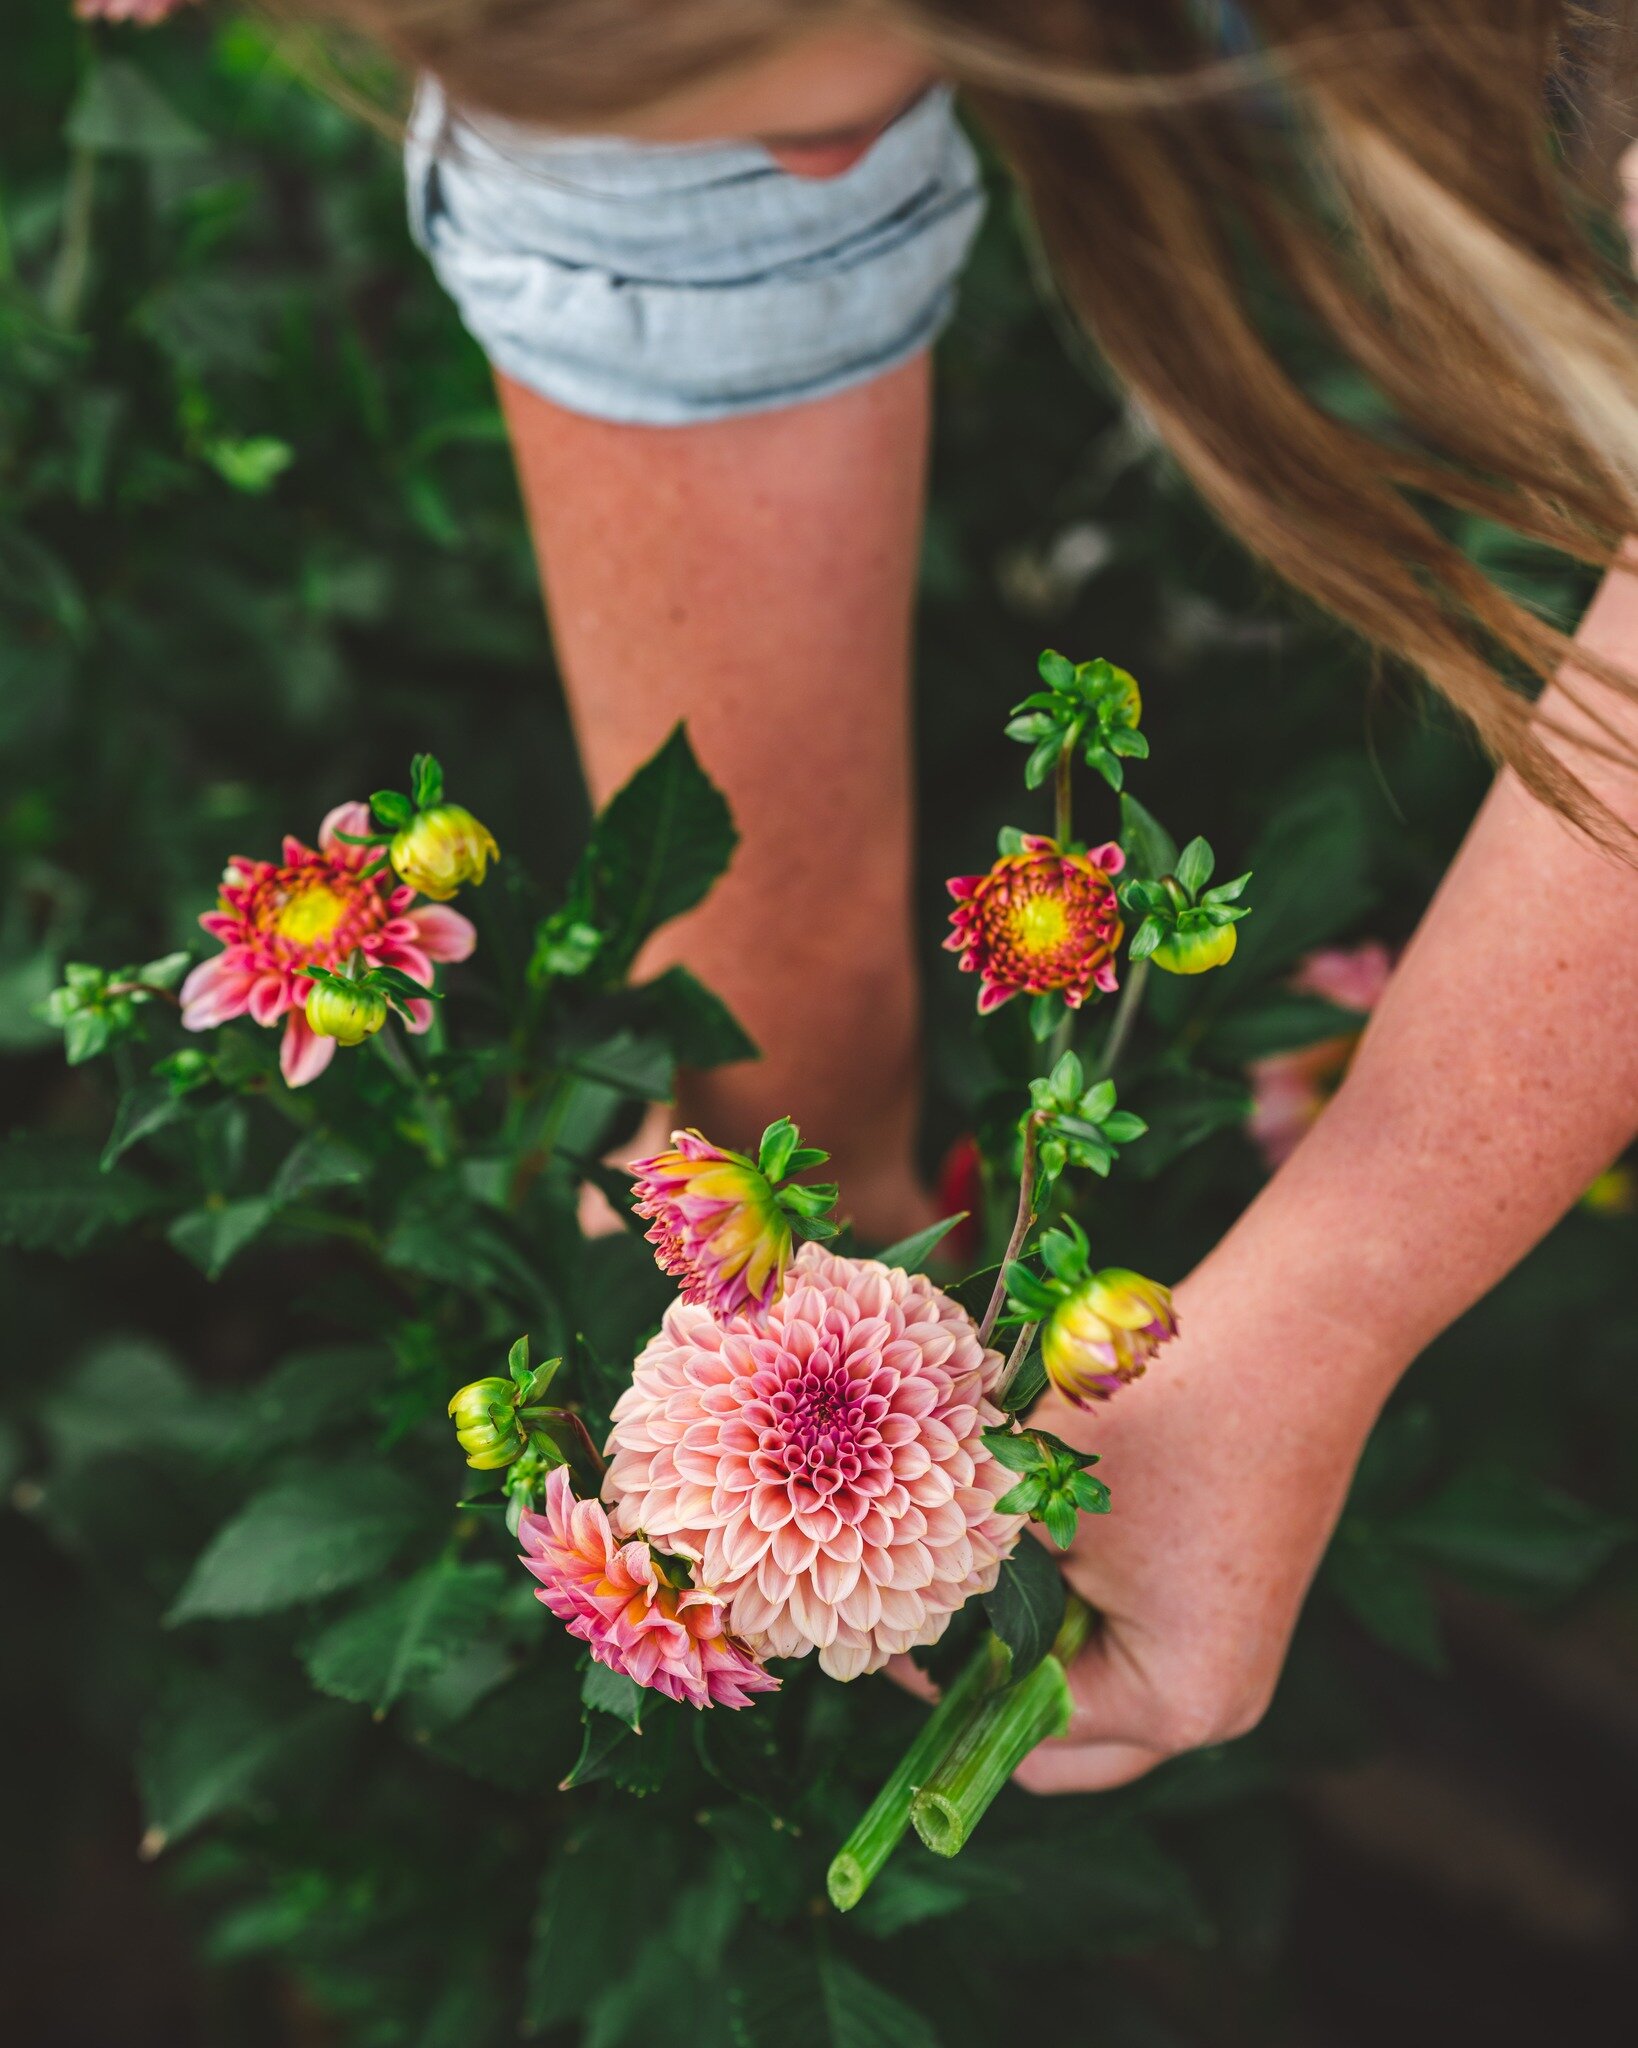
(1120, 1025)
(71, 273)
(1020, 1228)
(877, 1834)
(996, 1740)
(1014, 1364)
(1062, 795)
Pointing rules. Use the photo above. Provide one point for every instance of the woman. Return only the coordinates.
(713, 358)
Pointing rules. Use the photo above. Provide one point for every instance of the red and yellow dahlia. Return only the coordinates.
(315, 907)
(1103, 1334)
(1040, 921)
(718, 1226)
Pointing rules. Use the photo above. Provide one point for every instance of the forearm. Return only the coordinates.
(1499, 1075)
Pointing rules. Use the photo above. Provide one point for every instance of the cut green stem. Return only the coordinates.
(878, 1833)
(995, 1741)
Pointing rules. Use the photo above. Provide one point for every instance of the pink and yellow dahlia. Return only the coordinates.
(828, 1468)
(1103, 1335)
(614, 1597)
(145, 13)
(1040, 921)
(315, 907)
(717, 1225)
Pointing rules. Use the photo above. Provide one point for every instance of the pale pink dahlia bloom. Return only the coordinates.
(146, 13)
(613, 1596)
(315, 908)
(827, 1466)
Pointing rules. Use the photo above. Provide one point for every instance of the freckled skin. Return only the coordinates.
(761, 571)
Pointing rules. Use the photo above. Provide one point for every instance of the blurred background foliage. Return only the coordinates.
(259, 540)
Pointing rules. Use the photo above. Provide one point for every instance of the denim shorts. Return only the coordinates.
(662, 285)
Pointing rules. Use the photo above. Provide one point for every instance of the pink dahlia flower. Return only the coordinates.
(828, 1468)
(1289, 1089)
(1040, 920)
(717, 1225)
(314, 908)
(613, 1596)
(1104, 1334)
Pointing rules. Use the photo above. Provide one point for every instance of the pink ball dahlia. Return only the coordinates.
(717, 1225)
(314, 908)
(615, 1599)
(1040, 920)
(827, 1466)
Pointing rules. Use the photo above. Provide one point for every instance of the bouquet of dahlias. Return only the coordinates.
(822, 1454)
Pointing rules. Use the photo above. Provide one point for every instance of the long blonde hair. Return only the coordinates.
(1422, 177)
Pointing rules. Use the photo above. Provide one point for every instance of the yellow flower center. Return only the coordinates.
(310, 915)
(1040, 924)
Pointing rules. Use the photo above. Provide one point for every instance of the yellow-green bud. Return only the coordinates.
(1197, 951)
(441, 849)
(487, 1442)
(348, 1015)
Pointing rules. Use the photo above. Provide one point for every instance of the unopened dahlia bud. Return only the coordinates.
(344, 1010)
(1042, 920)
(486, 1423)
(1196, 951)
(442, 850)
(1103, 1334)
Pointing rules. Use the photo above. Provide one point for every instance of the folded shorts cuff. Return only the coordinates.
(664, 285)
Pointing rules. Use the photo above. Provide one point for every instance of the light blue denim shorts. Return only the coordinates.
(662, 285)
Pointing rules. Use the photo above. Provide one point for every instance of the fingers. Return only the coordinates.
(905, 1671)
(1084, 1766)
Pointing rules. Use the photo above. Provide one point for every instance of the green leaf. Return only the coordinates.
(117, 110)
(655, 850)
(911, 1253)
(917, 1886)
(696, 1027)
(252, 465)
(1194, 866)
(779, 1142)
(1511, 1534)
(427, 781)
(1017, 1453)
(1061, 1519)
(612, 1692)
(1385, 1593)
(217, 1233)
(143, 1110)
(785, 1996)
(130, 1396)
(1186, 1109)
(1043, 759)
(54, 1195)
(314, 1164)
(303, 1539)
(212, 1746)
(1312, 867)
(636, 1066)
(1283, 1021)
(404, 1637)
(1026, 1605)
(1055, 670)
(581, 1940)
(603, 1737)
(393, 810)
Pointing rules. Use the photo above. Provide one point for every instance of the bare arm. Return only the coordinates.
(1499, 1076)
(755, 576)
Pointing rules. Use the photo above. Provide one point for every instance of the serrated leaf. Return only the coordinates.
(130, 1396)
(142, 1111)
(655, 850)
(1026, 1604)
(581, 1937)
(910, 1253)
(316, 1163)
(602, 1738)
(612, 1692)
(215, 1234)
(785, 1996)
(210, 1747)
(302, 1539)
(404, 1637)
(54, 1195)
(696, 1027)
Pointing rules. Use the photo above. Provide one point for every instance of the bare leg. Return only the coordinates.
(755, 576)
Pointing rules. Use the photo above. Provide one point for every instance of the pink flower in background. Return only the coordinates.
(314, 908)
(613, 1596)
(145, 13)
(717, 1225)
(828, 1467)
(1289, 1089)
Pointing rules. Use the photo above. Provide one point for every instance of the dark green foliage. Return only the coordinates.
(259, 542)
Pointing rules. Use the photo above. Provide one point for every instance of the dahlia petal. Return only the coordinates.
(303, 1055)
(353, 818)
(442, 933)
(214, 992)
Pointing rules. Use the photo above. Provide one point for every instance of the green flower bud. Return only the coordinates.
(1195, 950)
(441, 849)
(347, 1014)
(486, 1424)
